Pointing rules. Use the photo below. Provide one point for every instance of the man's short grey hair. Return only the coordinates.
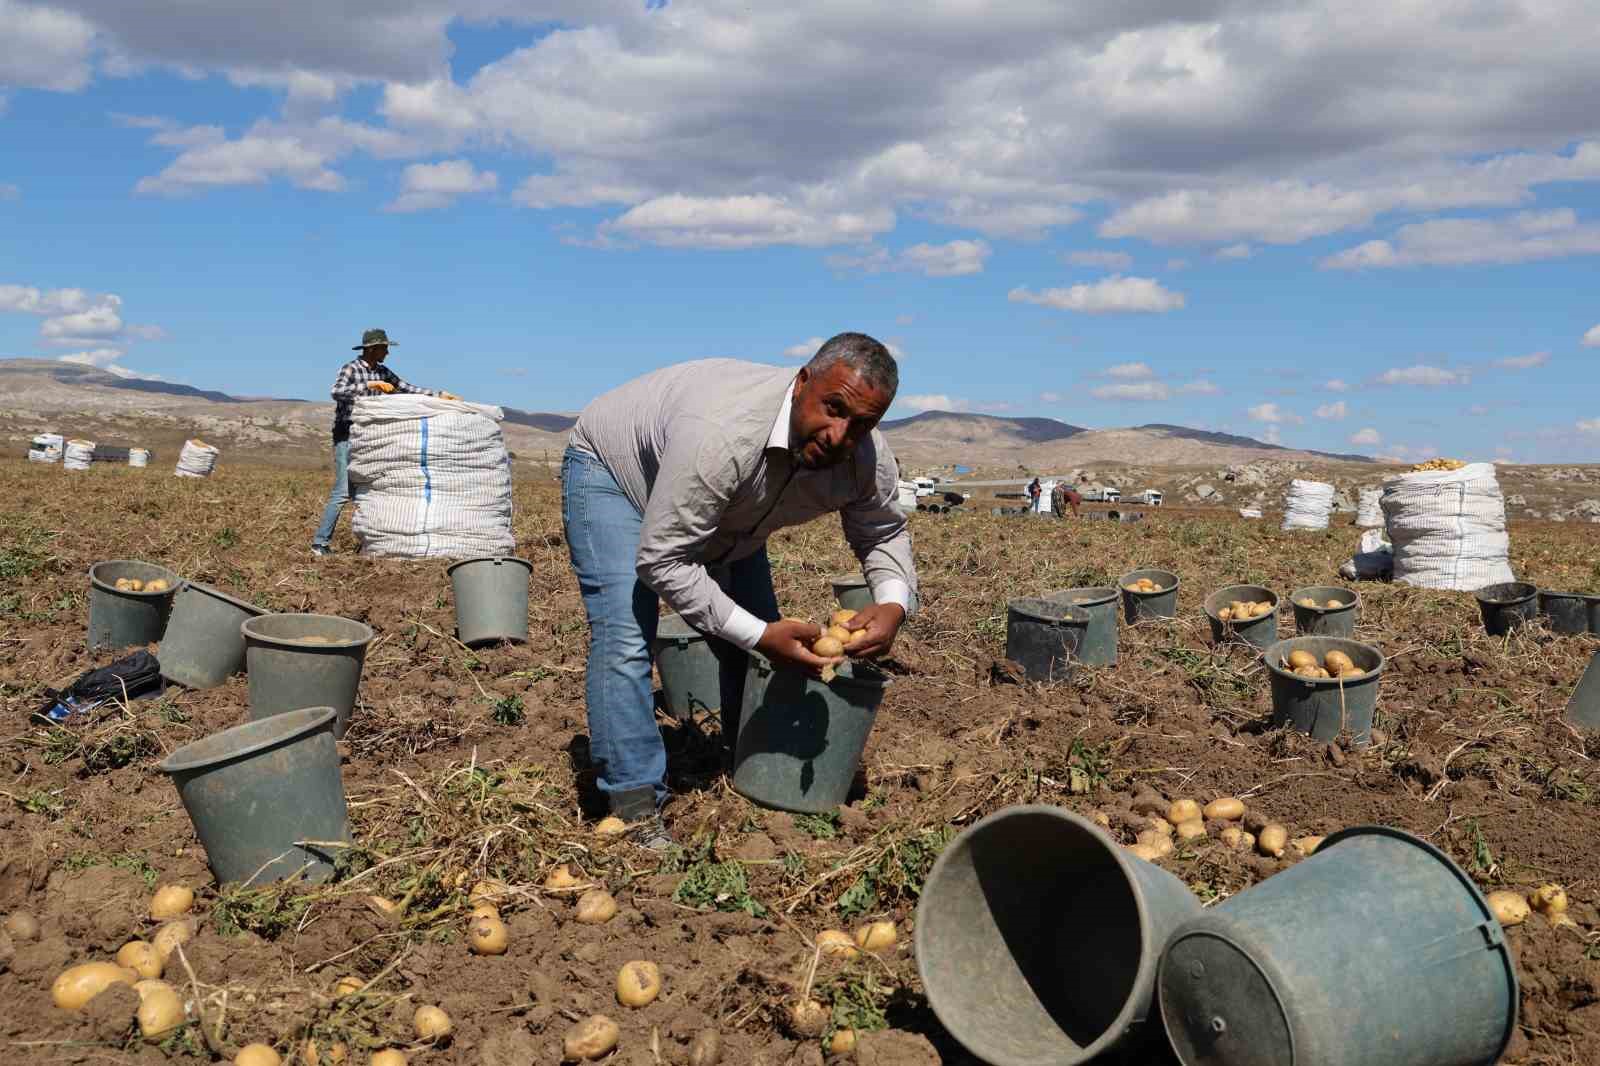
(862, 354)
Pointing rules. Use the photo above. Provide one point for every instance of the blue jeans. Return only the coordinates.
(602, 531)
(338, 497)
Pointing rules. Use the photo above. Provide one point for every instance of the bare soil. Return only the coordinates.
(463, 765)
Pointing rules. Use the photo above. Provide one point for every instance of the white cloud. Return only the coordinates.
(299, 152)
(1366, 438)
(1273, 414)
(805, 349)
(74, 317)
(1102, 259)
(44, 47)
(1333, 411)
(1200, 387)
(1589, 425)
(954, 259)
(431, 186)
(1425, 376)
(929, 401)
(1591, 339)
(98, 357)
(1523, 362)
(1272, 435)
(1517, 238)
(1129, 371)
(1336, 385)
(1143, 391)
(730, 222)
(1113, 295)
(1050, 397)
(102, 320)
(1235, 251)
(9, 191)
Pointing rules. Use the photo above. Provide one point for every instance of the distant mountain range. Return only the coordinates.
(41, 394)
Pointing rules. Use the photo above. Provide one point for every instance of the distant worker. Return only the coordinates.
(362, 375)
(671, 485)
(1063, 497)
(1034, 491)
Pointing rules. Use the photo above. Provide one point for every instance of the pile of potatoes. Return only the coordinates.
(1331, 605)
(139, 965)
(1438, 464)
(1241, 611)
(1512, 908)
(1186, 819)
(1335, 664)
(1144, 585)
(131, 584)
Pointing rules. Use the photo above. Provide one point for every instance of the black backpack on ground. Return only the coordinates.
(130, 677)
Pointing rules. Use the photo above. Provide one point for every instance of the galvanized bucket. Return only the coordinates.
(1038, 938)
(1325, 708)
(491, 595)
(1592, 605)
(117, 617)
(852, 592)
(264, 795)
(690, 674)
(304, 660)
(1098, 646)
(203, 646)
(800, 739)
(1583, 709)
(1376, 949)
(1320, 620)
(1507, 606)
(1565, 612)
(1043, 637)
(1259, 632)
(1149, 606)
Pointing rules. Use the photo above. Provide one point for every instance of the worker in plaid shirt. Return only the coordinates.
(360, 376)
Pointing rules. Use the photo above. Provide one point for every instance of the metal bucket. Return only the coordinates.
(1376, 949)
(1325, 708)
(1259, 632)
(1098, 646)
(119, 618)
(852, 592)
(1038, 938)
(1043, 637)
(1507, 606)
(1148, 606)
(1592, 604)
(304, 660)
(800, 740)
(690, 674)
(1321, 620)
(1565, 612)
(1583, 709)
(491, 595)
(203, 646)
(261, 795)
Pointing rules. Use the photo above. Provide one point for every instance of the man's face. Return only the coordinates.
(375, 354)
(830, 414)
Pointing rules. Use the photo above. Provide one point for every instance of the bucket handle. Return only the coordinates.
(1487, 935)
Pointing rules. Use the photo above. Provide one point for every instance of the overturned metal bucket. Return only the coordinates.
(203, 645)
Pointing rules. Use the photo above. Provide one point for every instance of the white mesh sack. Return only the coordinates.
(197, 459)
(1369, 512)
(1448, 528)
(430, 477)
(78, 454)
(1307, 505)
(46, 448)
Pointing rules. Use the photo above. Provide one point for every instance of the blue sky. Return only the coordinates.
(1348, 226)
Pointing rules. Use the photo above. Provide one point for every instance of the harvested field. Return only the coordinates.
(468, 765)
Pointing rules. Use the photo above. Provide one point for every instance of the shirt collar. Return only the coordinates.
(779, 438)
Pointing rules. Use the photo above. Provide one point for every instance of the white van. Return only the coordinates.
(1112, 495)
(925, 486)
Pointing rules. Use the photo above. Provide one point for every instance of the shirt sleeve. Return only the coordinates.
(698, 476)
(880, 536)
(401, 384)
(345, 386)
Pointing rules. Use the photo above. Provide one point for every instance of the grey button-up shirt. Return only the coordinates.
(702, 450)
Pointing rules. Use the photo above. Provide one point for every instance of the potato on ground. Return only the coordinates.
(638, 983)
(590, 1039)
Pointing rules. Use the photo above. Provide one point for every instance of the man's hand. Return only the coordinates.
(882, 622)
(788, 643)
(448, 396)
(380, 386)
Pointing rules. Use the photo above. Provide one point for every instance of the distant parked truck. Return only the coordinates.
(1111, 495)
(1149, 497)
(925, 486)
